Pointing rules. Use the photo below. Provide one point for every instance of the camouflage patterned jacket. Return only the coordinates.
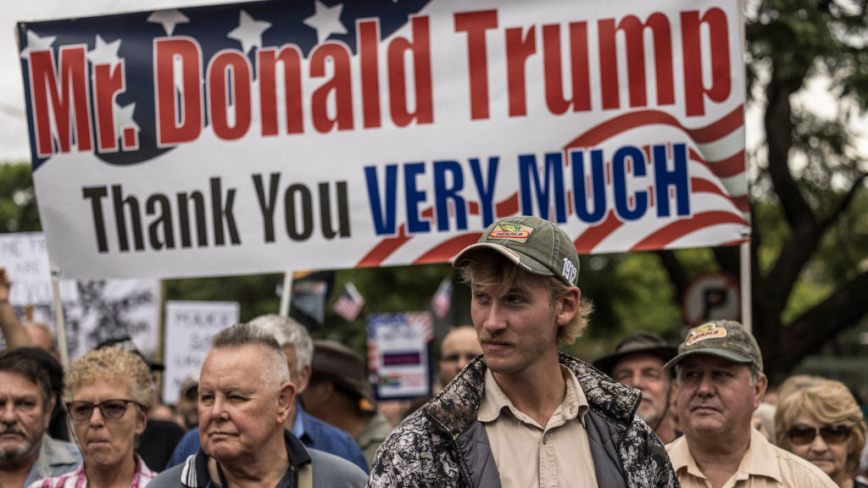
(443, 445)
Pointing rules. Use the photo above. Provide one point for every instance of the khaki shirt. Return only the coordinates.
(528, 455)
(763, 466)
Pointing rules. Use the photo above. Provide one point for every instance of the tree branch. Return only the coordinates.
(674, 270)
(799, 249)
(844, 203)
(845, 307)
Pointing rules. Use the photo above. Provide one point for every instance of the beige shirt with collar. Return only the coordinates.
(763, 466)
(529, 455)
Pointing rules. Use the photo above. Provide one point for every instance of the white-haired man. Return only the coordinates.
(297, 345)
(245, 395)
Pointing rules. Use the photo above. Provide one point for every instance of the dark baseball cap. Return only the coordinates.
(639, 342)
(535, 244)
(335, 362)
(727, 339)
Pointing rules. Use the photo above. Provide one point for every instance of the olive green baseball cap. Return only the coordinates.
(537, 245)
(727, 339)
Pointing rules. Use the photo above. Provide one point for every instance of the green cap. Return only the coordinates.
(723, 338)
(535, 244)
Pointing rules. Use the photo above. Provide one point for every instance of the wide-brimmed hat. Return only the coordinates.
(639, 342)
(535, 244)
(335, 362)
(727, 339)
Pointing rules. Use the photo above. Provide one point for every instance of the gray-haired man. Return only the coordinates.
(245, 396)
(297, 345)
(720, 383)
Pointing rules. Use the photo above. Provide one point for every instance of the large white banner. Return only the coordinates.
(189, 328)
(94, 310)
(277, 135)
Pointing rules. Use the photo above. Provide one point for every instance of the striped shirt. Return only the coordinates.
(78, 478)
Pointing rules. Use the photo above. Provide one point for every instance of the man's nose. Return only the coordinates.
(495, 319)
(705, 386)
(7, 413)
(636, 381)
(218, 408)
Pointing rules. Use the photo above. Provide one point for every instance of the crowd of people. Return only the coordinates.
(273, 408)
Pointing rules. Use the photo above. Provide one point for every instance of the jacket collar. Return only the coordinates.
(454, 409)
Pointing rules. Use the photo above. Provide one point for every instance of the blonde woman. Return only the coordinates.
(108, 395)
(823, 424)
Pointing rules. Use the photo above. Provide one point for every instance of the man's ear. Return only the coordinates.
(760, 390)
(568, 305)
(303, 379)
(285, 400)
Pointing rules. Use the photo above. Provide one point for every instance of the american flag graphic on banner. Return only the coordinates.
(442, 299)
(350, 303)
(329, 134)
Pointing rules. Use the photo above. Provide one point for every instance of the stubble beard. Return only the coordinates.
(15, 457)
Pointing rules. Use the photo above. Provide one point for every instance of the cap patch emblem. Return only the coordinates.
(511, 231)
(708, 331)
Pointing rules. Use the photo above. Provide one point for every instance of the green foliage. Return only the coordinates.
(18, 212)
(392, 289)
(256, 293)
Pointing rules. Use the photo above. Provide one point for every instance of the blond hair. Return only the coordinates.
(490, 269)
(829, 402)
(114, 365)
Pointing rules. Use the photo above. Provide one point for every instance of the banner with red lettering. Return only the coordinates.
(311, 134)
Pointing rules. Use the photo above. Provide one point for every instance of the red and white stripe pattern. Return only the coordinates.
(442, 299)
(718, 193)
(350, 303)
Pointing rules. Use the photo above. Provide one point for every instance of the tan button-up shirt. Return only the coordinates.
(763, 466)
(528, 455)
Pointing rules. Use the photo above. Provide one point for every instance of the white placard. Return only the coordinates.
(94, 310)
(189, 327)
(398, 354)
(25, 258)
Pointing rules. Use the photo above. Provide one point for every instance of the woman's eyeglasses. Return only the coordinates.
(832, 434)
(110, 409)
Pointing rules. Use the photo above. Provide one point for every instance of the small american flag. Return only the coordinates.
(350, 303)
(442, 299)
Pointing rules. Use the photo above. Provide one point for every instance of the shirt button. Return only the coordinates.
(545, 439)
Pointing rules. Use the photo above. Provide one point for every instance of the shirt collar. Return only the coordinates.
(759, 460)
(298, 425)
(298, 456)
(494, 400)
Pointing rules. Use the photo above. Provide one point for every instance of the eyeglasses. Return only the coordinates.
(833, 434)
(110, 409)
(454, 358)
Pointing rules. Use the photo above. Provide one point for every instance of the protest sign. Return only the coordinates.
(399, 354)
(189, 327)
(94, 310)
(26, 261)
(274, 135)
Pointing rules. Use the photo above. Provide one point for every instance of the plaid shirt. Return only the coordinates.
(78, 478)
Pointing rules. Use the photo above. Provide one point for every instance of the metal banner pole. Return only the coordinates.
(58, 317)
(286, 295)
